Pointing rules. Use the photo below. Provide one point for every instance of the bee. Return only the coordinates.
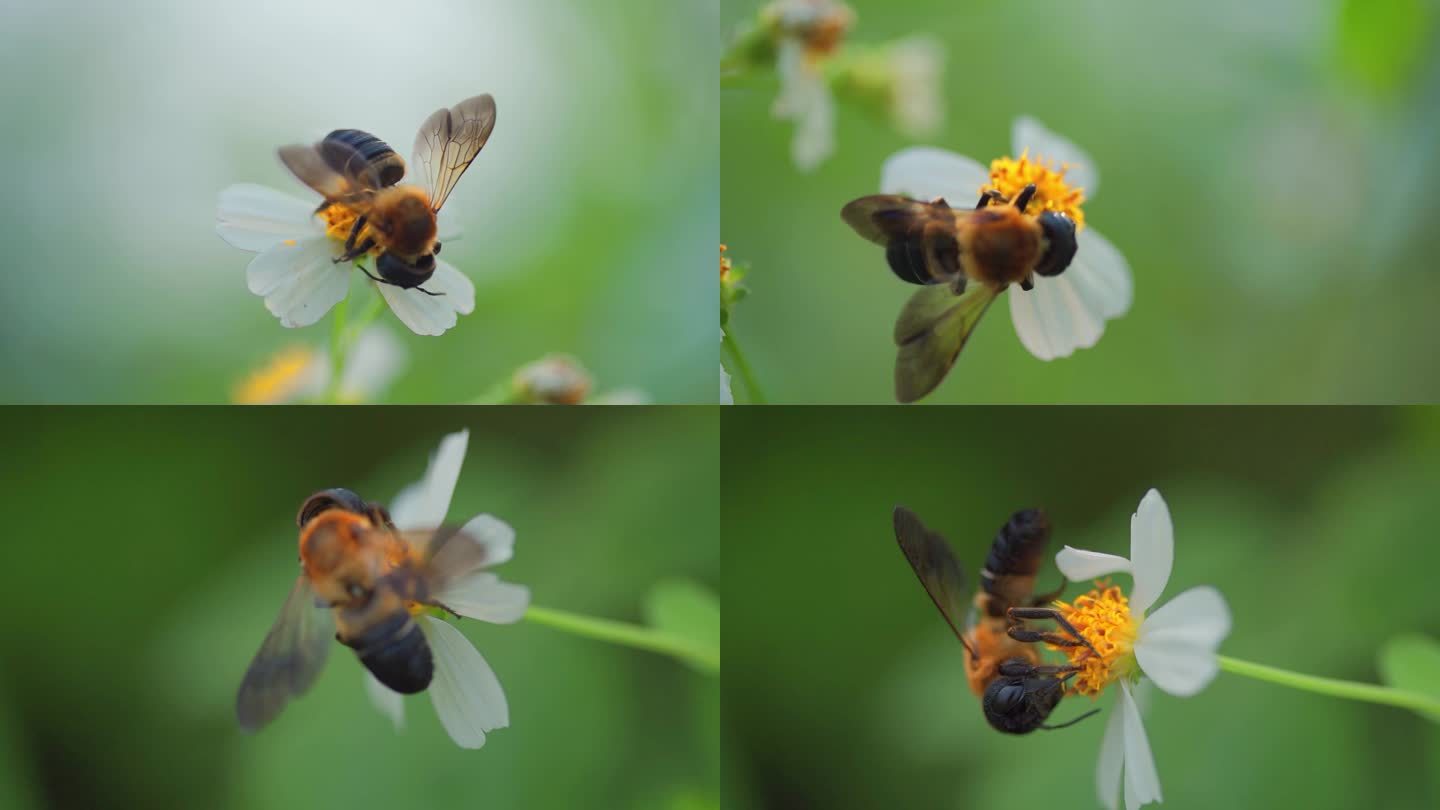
(1003, 668)
(360, 581)
(359, 176)
(964, 259)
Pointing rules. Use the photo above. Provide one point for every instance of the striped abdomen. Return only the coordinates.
(396, 653)
(927, 253)
(1015, 557)
(387, 164)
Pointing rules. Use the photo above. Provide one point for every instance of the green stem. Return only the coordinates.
(501, 393)
(1348, 690)
(629, 635)
(343, 337)
(742, 368)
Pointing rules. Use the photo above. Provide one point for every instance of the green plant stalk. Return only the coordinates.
(1348, 690)
(501, 393)
(343, 338)
(628, 635)
(742, 369)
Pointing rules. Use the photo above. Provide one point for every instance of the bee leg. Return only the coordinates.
(958, 285)
(427, 292)
(351, 249)
(1028, 283)
(1071, 722)
(1020, 633)
(987, 197)
(940, 201)
(372, 276)
(1023, 198)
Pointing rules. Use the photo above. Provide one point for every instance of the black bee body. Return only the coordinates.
(342, 146)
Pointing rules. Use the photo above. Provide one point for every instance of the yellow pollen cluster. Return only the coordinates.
(1009, 176)
(339, 220)
(277, 380)
(1103, 617)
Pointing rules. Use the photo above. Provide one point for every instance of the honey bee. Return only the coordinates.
(1003, 668)
(360, 581)
(965, 259)
(359, 176)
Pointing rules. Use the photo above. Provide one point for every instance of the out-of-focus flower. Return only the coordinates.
(1174, 647)
(726, 398)
(807, 33)
(296, 272)
(466, 694)
(732, 290)
(903, 78)
(302, 374)
(557, 379)
(1064, 312)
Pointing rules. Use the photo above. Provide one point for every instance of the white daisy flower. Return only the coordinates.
(1062, 313)
(726, 398)
(917, 68)
(302, 374)
(466, 694)
(1174, 647)
(807, 33)
(296, 273)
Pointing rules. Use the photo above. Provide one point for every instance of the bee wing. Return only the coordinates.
(935, 564)
(336, 170)
(292, 654)
(448, 141)
(449, 553)
(932, 328)
(883, 218)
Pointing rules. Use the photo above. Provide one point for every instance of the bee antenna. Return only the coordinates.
(1072, 722)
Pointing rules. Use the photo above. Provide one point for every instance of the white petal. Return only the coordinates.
(424, 504)
(494, 535)
(726, 398)
(388, 702)
(1102, 274)
(1142, 783)
(253, 218)
(447, 224)
(482, 595)
(805, 99)
(376, 359)
(1177, 643)
(1054, 319)
(465, 691)
(433, 314)
(1152, 551)
(924, 173)
(1030, 134)
(1112, 757)
(1078, 564)
(299, 280)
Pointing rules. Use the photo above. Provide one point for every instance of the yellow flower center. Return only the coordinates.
(1102, 616)
(819, 25)
(1009, 176)
(340, 220)
(276, 381)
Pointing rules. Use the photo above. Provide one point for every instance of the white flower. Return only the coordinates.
(466, 694)
(1062, 313)
(1174, 647)
(726, 398)
(296, 274)
(916, 103)
(301, 374)
(808, 31)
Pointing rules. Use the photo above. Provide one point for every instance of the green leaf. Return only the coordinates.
(687, 610)
(1412, 663)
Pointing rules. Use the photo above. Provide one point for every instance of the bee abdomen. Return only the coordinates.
(389, 165)
(396, 653)
(924, 259)
(1019, 545)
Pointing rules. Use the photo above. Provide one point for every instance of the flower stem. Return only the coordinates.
(629, 635)
(742, 368)
(501, 393)
(1349, 690)
(343, 338)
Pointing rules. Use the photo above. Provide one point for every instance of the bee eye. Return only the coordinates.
(1060, 234)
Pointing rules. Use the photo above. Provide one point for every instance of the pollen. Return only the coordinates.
(339, 221)
(278, 380)
(1052, 193)
(1102, 616)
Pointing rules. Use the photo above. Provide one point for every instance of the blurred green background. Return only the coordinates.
(1266, 168)
(149, 551)
(845, 689)
(589, 219)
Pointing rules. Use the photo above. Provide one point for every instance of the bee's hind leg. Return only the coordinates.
(989, 196)
(352, 250)
(1023, 198)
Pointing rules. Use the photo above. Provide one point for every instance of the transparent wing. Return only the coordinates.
(450, 552)
(289, 659)
(447, 143)
(337, 171)
(932, 328)
(939, 572)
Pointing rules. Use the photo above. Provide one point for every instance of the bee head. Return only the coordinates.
(1060, 240)
(325, 500)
